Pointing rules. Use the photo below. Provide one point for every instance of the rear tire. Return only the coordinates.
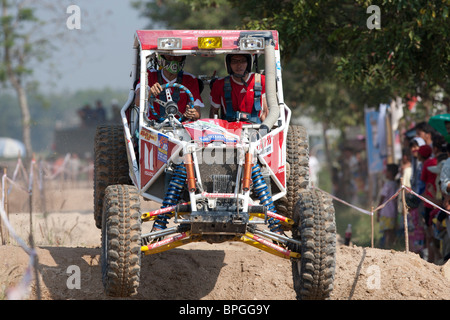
(315, 226)
(110, 164)
(297, 158)
(121, 241)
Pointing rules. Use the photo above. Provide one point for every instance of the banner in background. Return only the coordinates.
(374, 159)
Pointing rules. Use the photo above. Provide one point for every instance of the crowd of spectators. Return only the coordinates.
(425, 168)
(90, 116)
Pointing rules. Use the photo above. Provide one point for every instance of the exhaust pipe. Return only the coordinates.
(271, 86)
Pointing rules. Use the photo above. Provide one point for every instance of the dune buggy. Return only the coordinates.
(216, 180)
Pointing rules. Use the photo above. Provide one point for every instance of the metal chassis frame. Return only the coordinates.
(252, 236)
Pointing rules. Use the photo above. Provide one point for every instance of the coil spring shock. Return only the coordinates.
(174, 190)
(264, 196)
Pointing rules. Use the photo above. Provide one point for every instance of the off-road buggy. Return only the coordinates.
(216, 180)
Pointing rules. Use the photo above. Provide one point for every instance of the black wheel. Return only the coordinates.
(121, 241)
(297, 158)
(110, 164)
(315, 227)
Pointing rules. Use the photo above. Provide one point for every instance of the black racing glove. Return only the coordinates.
(263, 130)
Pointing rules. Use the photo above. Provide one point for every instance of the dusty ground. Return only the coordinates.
(198, 271)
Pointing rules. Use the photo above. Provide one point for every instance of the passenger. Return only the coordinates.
(241, 95)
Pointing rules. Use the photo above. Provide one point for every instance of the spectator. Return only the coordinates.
(429, 179)
(406, 168)
(440, 152)
(86, 115)
(440, 239)
(439, 147)
(426, 132)
(443, 232)
(445, 189)
(417, 235)
(445, 175)
(99, 113)
(387, 216)
(416, 184)
(426, 176)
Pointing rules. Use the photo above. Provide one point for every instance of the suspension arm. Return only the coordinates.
(167, 244)
(268, 246)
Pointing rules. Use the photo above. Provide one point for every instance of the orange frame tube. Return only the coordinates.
(247, 172)
(189, 164)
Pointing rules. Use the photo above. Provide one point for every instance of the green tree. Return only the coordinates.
(331, 41)
(408, 55)
(179, 14)
(15, 40)
(27, 40)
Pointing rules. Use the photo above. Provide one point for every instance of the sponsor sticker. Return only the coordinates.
(149, 136)
(163, 147)
(217, 137)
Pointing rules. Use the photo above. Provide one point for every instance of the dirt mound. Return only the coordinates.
(200, 271)
(367, 273)
(231, 272)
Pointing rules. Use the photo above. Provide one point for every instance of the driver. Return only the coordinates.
(172, 72)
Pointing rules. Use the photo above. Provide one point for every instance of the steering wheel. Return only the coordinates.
(170, 106)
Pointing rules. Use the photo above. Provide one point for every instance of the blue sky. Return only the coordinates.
(99, 54)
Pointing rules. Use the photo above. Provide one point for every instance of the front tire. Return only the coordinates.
(315, 226)
(121, 241)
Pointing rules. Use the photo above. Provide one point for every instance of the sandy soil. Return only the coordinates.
(199, 271)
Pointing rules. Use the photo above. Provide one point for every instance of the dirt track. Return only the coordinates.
(200, 271)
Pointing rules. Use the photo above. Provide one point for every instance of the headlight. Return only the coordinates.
(251, 43)
(169, 43)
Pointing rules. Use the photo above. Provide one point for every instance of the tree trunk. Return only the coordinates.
(24, 109)
(26, 120)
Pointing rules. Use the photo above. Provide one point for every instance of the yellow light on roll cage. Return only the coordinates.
(209, 42)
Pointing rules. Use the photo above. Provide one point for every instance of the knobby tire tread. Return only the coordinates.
(314, 272)
(121, 241)
(110, 164)
(297, 156)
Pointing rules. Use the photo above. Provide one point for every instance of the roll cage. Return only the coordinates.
(147, 43)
